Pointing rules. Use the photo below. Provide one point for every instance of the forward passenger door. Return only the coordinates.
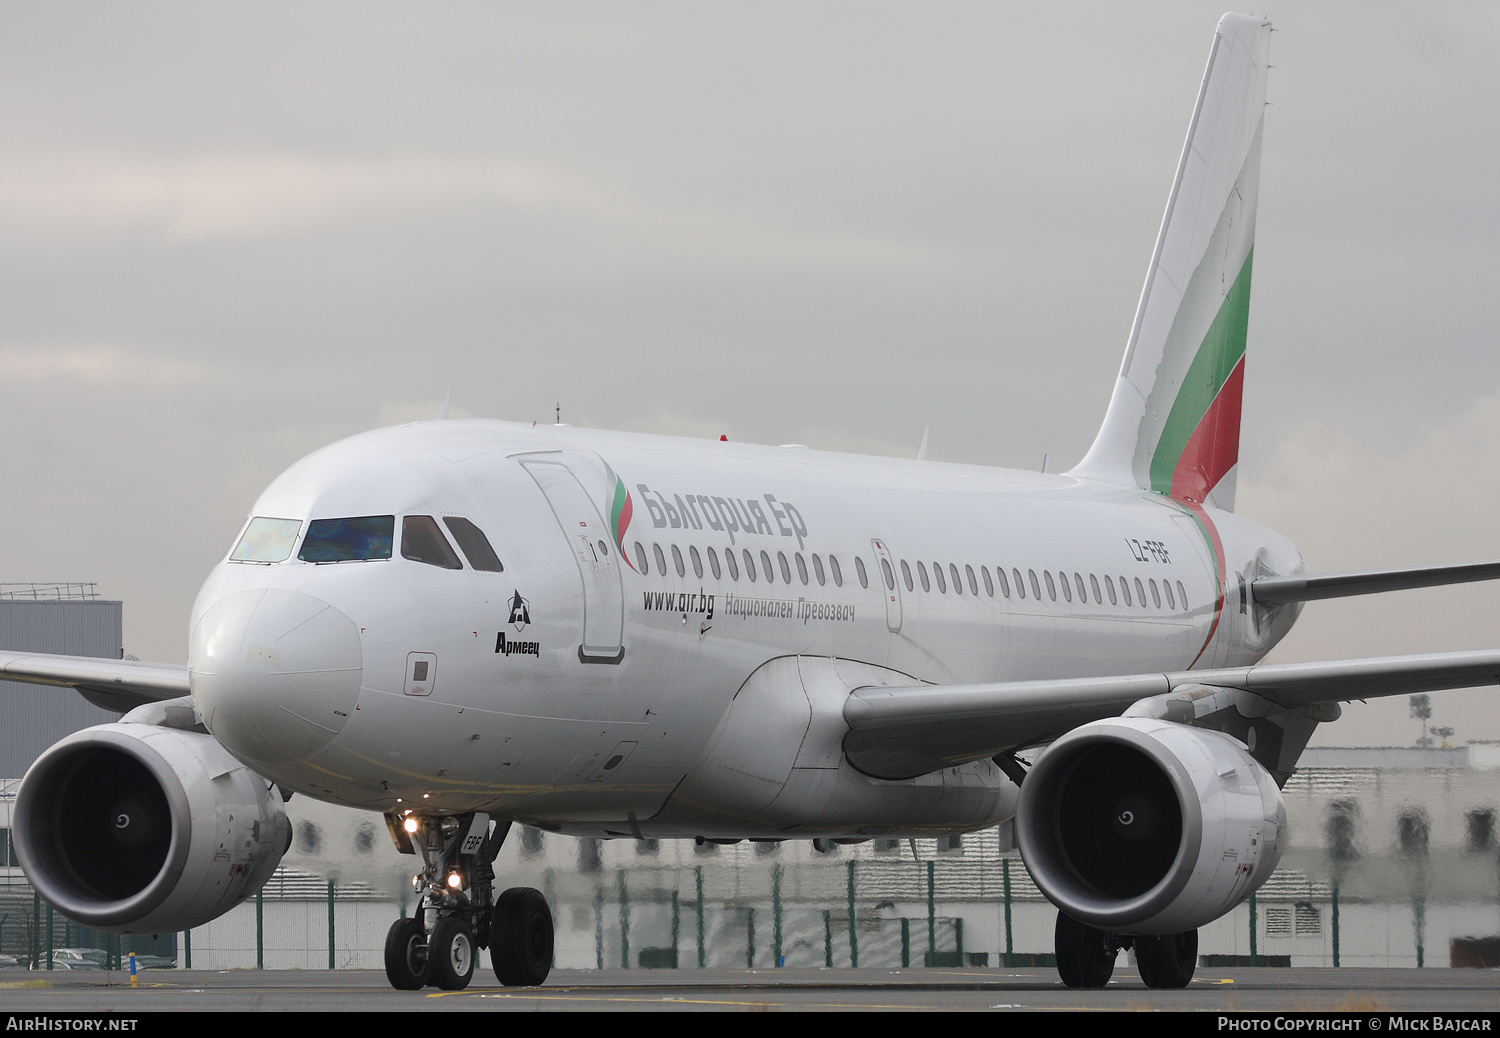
(592, 548)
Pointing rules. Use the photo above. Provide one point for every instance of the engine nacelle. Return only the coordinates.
(134, 828)
(1139, 826)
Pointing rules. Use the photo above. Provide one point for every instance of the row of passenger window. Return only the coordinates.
(368, 538)
(1058, 584)
(732, 565)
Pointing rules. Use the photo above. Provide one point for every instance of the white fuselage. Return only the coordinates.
(587, 692)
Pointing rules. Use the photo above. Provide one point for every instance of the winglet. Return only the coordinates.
(1173, 424)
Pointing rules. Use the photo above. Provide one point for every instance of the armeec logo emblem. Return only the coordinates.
(520, 612)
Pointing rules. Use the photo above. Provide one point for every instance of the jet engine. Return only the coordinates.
(135, 828)
(1134, 825)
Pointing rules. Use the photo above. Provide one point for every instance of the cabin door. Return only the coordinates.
(593, 549)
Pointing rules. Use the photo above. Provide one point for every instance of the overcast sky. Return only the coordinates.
(230, 235)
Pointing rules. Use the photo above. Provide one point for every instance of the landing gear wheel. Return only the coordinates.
(450, 954)
(1085, 956)
(521, 938)
(406, 955)
(1167, 961)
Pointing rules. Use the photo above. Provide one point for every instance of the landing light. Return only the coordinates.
(410, 825)
(455, 880)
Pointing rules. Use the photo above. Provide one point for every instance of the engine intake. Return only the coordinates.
(134, 828)
(1141, 826)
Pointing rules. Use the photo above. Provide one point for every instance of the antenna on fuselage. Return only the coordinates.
(1044, 463)
(557, 413)
(922, 450)
(447, 402)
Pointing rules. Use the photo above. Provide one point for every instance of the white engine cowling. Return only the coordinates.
(1139, 826)
(134, 828)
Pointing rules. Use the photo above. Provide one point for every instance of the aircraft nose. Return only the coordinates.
(275, 673)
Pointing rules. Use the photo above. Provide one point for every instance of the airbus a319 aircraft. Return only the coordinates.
(468, 624)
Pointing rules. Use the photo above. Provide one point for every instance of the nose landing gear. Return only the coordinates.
(451, 952)
(457, 913)
(406, 955)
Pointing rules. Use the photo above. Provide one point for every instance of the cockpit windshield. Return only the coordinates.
(365, 538)
(422, 541)
(266, 540)
(474, 544)
(349, 540)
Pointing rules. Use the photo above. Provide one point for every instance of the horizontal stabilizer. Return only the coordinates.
(119, 685)
(897, 733)
(1275, 590)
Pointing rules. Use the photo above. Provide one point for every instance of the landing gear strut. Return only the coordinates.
(457, 913)
(1086, 956)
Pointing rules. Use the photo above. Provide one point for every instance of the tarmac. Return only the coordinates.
(1371, 992)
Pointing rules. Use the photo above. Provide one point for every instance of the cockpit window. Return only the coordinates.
(266, 540)
(422, 541)
(349, 540)
(474, 544)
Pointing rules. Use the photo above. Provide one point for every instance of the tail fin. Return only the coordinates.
(1173, 424)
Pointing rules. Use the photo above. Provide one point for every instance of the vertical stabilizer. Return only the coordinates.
(1173, 424)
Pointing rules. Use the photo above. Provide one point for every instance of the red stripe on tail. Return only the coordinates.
(1214, 447)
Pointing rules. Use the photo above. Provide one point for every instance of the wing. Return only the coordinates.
(119, 685)
(897, 733)
(1274, 590)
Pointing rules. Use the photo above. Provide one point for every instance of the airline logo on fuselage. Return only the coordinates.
(511, 647)
(520, 612)
(620, 511)
(727, 515)
(520, 617)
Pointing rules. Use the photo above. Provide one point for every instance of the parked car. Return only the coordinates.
(148, 962)
(78, 959)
